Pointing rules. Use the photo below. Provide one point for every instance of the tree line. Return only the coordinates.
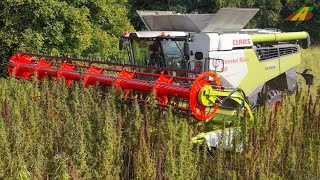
(91, 27)
(272, 13)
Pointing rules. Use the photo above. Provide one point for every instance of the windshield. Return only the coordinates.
(157, 53)
(172, 50)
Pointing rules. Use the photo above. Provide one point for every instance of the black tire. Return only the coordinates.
(274, 98)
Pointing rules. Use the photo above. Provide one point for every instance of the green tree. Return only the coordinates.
(180, 6)
(72, 27)
(268, 16)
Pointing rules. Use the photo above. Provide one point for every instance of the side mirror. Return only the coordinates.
(186, 49)
(121, 42)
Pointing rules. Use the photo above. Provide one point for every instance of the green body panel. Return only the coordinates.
(290, 36)
(257, 73)
(224, 115)
(260, 72)
(288, 62)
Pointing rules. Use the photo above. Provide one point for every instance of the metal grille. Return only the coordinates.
(275, 52)
(288, 50)
(267, 53)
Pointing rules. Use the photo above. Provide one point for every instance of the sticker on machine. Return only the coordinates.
(232, 66)
(270, 66)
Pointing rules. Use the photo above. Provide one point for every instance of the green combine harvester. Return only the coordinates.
(205, 65)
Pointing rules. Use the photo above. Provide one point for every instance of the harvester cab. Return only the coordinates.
(205, 65)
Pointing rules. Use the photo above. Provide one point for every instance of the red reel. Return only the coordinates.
(199, 110)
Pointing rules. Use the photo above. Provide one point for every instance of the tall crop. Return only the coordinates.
(48, 131)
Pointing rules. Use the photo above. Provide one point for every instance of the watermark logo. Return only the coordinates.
(302, 14)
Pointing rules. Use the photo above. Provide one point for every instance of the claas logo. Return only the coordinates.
(302, 14)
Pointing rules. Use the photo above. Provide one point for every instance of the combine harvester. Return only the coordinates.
(206, 65)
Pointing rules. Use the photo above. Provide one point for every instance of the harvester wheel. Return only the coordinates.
(274, 98)
(198, 110)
